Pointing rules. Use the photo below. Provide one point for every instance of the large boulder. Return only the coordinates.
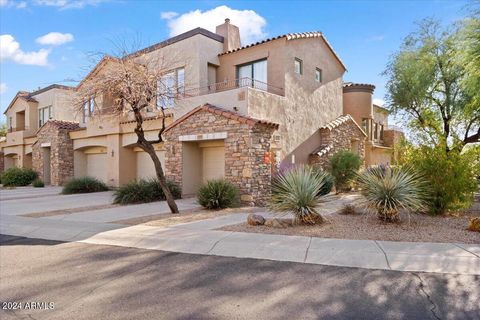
(255, 219)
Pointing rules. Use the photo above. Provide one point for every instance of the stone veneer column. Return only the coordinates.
(61, 153)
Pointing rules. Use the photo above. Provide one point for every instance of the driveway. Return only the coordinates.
(105, 282)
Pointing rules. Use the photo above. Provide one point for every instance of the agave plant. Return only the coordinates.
(387, 190)
(298, 191)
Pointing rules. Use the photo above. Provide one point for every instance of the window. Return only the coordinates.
(318, 75)
(381, 132)
(253, 74)
(88, 109)
(44, 114)
(365, 126)
(170, 86)
(10, 123)
(298, 66)
(375, 132)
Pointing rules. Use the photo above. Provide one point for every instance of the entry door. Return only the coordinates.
(46, 165)
(213, 163)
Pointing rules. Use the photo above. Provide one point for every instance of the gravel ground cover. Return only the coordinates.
(362, 226)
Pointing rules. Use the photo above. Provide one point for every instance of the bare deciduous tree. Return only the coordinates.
(130, 86)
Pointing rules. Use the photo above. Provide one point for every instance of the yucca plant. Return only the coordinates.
(298, 191)
(387, 190)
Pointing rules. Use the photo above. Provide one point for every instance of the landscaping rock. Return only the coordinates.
(255, 220)
(278, 223)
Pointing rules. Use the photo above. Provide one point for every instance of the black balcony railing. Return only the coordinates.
(233, 84)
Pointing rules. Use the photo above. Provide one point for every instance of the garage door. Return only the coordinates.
(145, 167)
(213, 163)
(97, 166)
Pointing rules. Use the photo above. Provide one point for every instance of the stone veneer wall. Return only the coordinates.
(2, 162)
(245, 149)
(339, 138)
(61, 154)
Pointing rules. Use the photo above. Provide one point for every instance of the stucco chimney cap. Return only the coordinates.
(227, 20)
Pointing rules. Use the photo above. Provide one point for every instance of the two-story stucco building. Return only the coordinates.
(240, 112)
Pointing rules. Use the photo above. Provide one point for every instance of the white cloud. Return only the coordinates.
(379, 102)
(10, 50)
(168, 15)
(9, 4)
(251, 24)
(21, 5)
(69, 4)
(3, 3)
(3, 87)
(55, 38)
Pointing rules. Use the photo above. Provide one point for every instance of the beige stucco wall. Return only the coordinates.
(358, 104)
(194, 54)
(30, 123)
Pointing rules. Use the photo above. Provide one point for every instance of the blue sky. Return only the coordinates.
(49, 41)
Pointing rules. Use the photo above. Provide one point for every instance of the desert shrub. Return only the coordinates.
(84, 185)
(15, 177)
(218, 194)
(348, 209)
(474, 224)
(38, 183)
(298, 191)
(451, 177)
(344, 166)
(142, 191)
(389, 189)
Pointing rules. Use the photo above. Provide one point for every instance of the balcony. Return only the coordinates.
(231, 85)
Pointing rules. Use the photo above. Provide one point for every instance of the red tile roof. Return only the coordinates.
(61, 124)
(292, 36)
(224, 113)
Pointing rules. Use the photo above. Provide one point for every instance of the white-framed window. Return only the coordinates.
(44, 114)
(88, 109)
(298, 65)
(318, 75)
(169, 86)
(10, 123)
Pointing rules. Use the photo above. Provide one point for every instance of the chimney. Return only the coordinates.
(230, 34)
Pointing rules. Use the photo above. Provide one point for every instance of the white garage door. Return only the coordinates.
(97, 166)
(213, 163)
(145, 167)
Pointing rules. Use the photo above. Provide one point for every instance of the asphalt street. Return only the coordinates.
(43, 279)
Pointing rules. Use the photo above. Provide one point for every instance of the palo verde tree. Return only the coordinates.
(428, 84)
(130, 87)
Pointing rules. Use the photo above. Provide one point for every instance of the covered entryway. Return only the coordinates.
(212, 143)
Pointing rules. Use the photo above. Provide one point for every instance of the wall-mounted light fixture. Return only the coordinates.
(113, 153)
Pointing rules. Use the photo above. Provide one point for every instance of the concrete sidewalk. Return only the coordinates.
(200, 237)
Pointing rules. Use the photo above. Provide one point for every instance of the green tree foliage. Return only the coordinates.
(451, 176)
(428, 85)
